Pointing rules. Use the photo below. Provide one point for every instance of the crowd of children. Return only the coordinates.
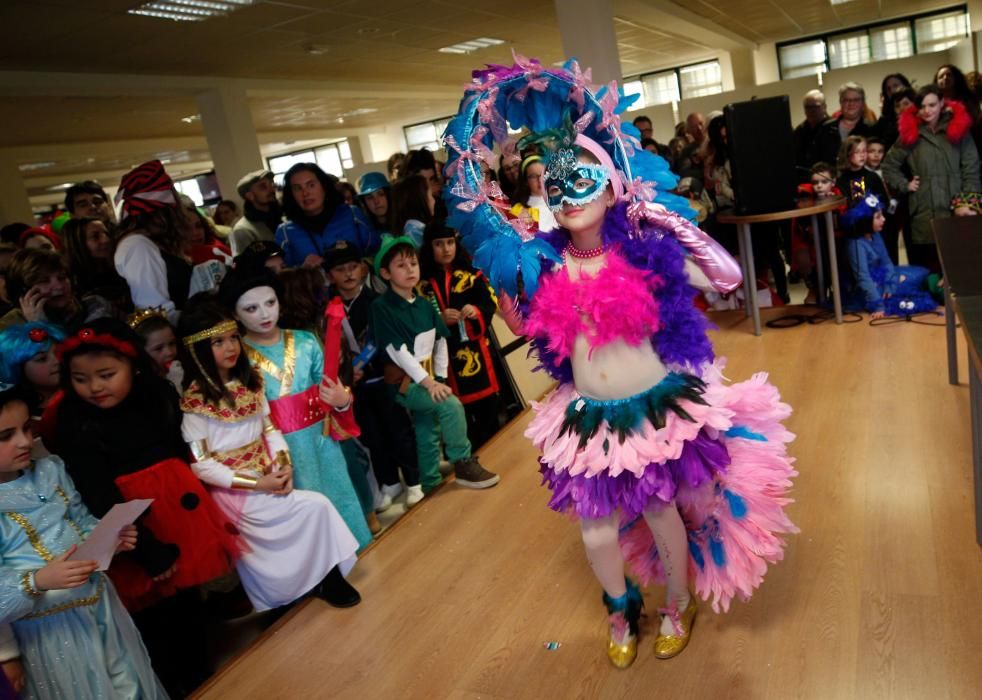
(267, 413)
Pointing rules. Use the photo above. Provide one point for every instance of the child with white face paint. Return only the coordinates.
(300, 398)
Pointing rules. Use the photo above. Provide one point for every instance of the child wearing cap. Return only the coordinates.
(414, 337)
(386, 431)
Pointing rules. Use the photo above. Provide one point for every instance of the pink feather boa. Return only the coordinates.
(617, 303)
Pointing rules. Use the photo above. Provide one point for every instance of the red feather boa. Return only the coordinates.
(960, 123)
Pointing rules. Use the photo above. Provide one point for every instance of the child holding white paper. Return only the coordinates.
(72, 637)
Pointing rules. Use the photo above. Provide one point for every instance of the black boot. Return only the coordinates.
(336, 591)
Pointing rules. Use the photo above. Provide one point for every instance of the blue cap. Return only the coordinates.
(369, 182)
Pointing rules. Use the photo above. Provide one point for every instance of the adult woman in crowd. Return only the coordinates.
(317, 217)
(149, 240)
(936, 143)
(411, 207)
(201, 240)
(89, 254)
(886, 125)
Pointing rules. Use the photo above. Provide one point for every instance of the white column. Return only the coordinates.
(14, 203)
(231, 136)
(587, 29)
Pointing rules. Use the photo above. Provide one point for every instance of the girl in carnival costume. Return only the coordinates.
(160, 343)
(882, 288)
(72, 637)
(296, 540)
(664, 464)
(27, 357)
(118, 428)
(302, 402)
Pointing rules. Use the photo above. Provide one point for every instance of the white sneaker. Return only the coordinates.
(414, 494)
(388, 494)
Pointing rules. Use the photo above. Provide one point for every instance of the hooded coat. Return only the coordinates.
(946, 160)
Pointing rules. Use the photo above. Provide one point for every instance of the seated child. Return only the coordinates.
(118, 428)
(881, 287)
(291, 366)
(414, 337)
(72, 634)
(296, 540)
(160, 343)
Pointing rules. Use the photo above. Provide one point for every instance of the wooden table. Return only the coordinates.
(959, 242)
(805, 207)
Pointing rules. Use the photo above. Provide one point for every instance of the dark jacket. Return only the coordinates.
(946, 161)
(828, 140)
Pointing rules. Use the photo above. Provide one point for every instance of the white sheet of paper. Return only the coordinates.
(101, 543)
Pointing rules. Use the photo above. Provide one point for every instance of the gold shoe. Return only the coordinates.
(669, 645)
(622, 645)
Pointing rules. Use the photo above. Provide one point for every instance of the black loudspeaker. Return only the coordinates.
(761, 155)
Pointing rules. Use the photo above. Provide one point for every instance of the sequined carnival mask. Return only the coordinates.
(577, 185)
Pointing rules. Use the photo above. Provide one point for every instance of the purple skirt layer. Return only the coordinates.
(598, 496)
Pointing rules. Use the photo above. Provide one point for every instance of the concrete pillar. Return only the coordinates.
(231, 136)
(14, 203)
(587, 29)
(742, 63)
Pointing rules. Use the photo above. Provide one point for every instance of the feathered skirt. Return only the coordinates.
(719, 451)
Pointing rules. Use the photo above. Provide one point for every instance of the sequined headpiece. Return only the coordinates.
(221, 329)
(143, 315)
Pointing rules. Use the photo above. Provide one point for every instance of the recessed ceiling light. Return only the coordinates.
(368, 30)
(189, 10)
(26, 167)
(839, 2)
(191, 118)
(471, 46)
(316, 49)
(62, 186)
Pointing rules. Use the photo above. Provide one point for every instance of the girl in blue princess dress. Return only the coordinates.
(73, 635)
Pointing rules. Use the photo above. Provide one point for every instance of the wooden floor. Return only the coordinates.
(880, 596)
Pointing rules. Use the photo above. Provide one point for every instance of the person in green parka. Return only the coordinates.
(936, 146)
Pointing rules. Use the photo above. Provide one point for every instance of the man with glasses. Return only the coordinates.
(849, 122)
(88, 200)
(807, 131)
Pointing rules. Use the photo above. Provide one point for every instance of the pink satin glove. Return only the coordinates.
(722, 271)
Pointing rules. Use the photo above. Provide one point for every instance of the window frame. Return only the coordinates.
(677, 71)
(437, 132)
(346, 163)
(909, 20)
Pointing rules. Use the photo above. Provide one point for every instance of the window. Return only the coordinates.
(801, 59)
(661, 88)
(428, 135)
(701, 79)
(876, 42)
(848, 50)
(333, 158)
(191, 188)
(940, 32)
(675, 84)
(894, 41)
(635, 87)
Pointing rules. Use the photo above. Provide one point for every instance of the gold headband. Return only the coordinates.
(220, 329)
(142, 315)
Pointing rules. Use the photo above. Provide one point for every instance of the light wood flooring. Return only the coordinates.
(880, 596)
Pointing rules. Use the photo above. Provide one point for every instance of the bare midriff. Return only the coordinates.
(617, 369)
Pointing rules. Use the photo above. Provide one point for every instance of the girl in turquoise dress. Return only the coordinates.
(73, 635)
(292, 365)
